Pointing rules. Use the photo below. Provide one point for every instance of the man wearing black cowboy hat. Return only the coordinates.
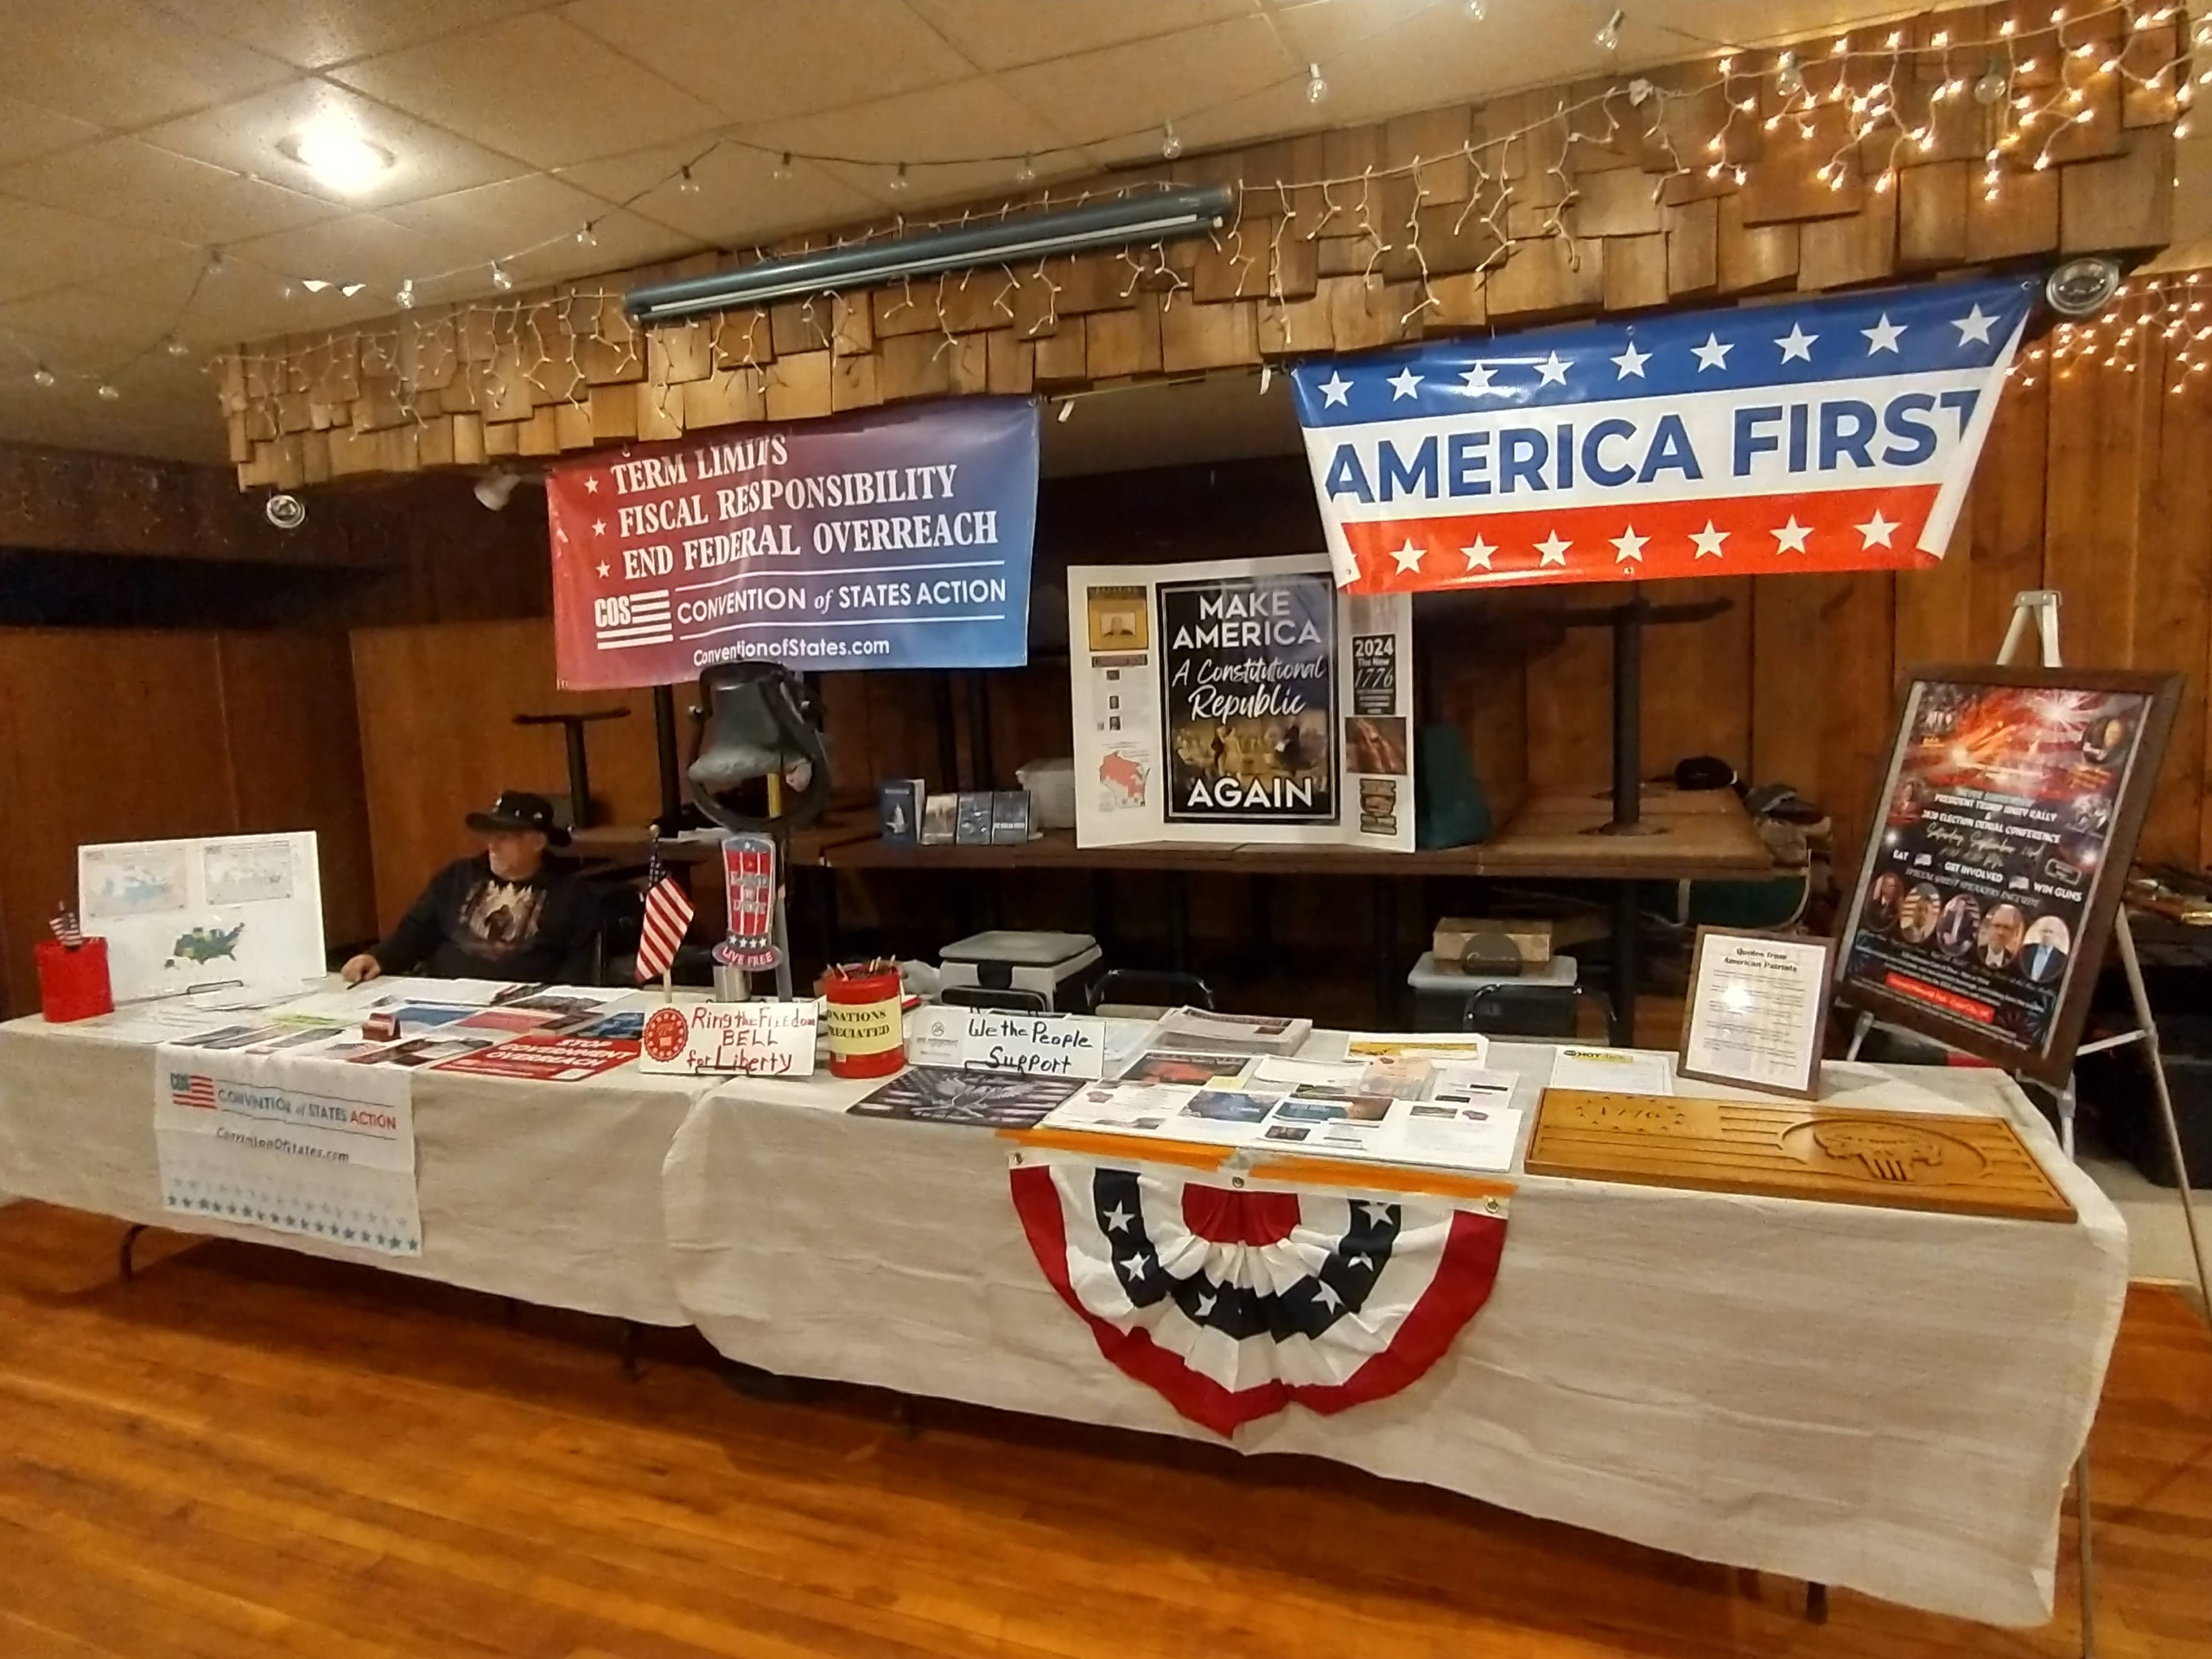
(510, 912)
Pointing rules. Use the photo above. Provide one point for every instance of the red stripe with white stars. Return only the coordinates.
(1742, 535)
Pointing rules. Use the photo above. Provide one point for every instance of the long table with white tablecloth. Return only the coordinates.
(1884, 1399)
(546, 1193)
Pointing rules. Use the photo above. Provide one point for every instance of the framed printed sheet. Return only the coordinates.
(1240, 700)
(2008, 817)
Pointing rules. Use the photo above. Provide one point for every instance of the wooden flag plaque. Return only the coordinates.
(1897, 1160)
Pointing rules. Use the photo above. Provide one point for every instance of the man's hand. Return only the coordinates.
(362, 967)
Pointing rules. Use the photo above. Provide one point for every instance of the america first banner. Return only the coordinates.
(896, 539)
(1830, 435)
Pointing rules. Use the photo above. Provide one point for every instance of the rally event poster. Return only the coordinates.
(1247, 676)
(1247, 702)
(2008, 822)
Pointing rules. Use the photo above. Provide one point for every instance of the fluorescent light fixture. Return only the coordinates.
(1158, 216)
(345, 160)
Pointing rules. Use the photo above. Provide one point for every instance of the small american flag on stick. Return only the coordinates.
(668, 915)
(67, 929)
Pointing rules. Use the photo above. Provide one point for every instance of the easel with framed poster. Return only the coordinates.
(2051, 1059)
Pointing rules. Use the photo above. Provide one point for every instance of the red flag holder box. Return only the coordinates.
(74, 984)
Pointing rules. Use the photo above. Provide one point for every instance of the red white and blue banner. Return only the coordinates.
(1829, 434)
(899, 538)
(1231, 1303)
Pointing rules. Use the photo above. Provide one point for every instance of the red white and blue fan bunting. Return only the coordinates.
(1233, 1302)
(1828, 435)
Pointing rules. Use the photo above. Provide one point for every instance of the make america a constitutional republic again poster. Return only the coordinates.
(1246, 701)
(899, 538)
(1820, 435)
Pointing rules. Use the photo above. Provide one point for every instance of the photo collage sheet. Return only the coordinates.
(1238, 1080)
(1253, 703)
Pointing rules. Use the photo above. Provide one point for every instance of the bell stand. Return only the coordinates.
(2038, 606)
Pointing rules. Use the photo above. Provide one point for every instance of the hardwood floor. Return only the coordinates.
(248, 1453)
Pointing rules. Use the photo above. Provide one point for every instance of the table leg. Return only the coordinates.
(1816, 1604)
(2087, 1590)
(1627, 955)
(628, 1347)
(1260, 938)
(1101, 909)
(130, 1238)
(1386, 953)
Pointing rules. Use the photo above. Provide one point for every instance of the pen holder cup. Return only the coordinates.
(73, 984)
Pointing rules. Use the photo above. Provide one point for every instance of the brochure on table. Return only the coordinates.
(230, 910)
(547, 1033)
(1246, 701)
(1396, 1097)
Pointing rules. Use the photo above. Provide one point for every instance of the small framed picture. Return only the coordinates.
(1758, 1015)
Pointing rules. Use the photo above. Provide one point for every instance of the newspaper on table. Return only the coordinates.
(1446, 1115)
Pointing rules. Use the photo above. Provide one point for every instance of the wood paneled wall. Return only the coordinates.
(114, 735)
(2097, 483)
(1555, 203)
(438, 741)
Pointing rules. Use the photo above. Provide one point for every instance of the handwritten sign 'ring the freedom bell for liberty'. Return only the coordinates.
(897, 539)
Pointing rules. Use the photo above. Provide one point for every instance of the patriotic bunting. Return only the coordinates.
(1233, 1302)
(1829, 434)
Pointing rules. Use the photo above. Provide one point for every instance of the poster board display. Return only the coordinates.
(1758, 1010)
(225, 910)
(1247, 700)
(2007, 819)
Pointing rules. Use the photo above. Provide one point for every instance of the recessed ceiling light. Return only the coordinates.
(345, 160)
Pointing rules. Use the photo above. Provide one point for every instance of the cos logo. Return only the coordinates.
(613, 612)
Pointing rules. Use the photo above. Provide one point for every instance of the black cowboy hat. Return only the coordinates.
(518, 809)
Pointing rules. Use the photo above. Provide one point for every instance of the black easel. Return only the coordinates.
(1628, 620)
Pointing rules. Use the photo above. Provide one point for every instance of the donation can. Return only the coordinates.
(867, 1033)
(74, 984)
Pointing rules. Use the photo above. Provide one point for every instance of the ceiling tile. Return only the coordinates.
(239, 302)
(243, 137)
(1094, 97)
(29, 129)
(362, 247)
(168, 407)
(153, 427)
(739, 200)
(763, 60)
(1002, 34)
(42, 247)
(534, 87)
(967, 118)
(531, 223)
(123, 64)
(159, 190)
(317, 34)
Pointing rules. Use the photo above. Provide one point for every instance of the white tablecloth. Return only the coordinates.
(1872, 1398)
(549, 1193)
